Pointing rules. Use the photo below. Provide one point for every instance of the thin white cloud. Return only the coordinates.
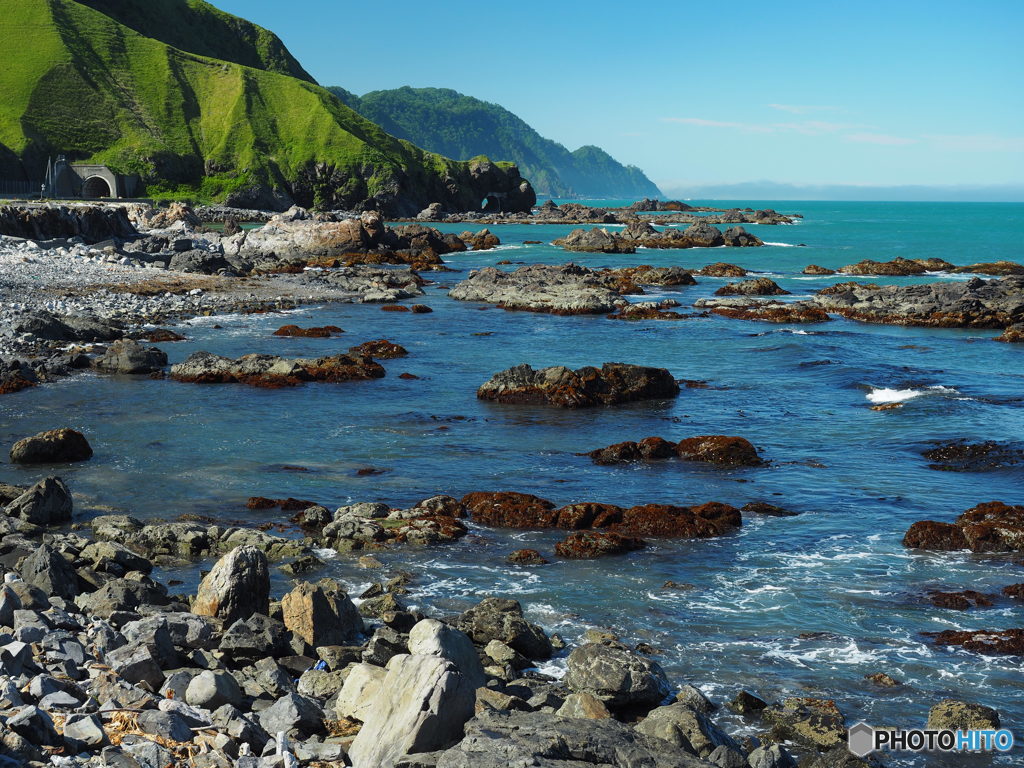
(801, 109)
(699, 121)
(881, 139)
(805, 127)
(977, 143)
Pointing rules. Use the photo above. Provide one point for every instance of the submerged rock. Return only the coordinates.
(986, 642)
(962, 456)
(611, 384)
(53, 447)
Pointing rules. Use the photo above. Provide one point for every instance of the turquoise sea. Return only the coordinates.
(804, 606)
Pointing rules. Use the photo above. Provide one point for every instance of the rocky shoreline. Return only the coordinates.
(104, 665)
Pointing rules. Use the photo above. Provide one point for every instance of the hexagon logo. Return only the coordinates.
(861, 739)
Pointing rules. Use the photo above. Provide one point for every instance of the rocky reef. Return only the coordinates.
(643, 235)
(711, 449)
(989, 527)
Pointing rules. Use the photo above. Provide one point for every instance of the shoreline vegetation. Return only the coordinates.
(103, 658)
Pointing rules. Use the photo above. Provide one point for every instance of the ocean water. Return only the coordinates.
(804, 606)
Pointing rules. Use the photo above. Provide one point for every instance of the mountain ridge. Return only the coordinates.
(83, 83)
(446, 121)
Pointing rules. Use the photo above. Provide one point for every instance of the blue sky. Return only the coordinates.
(902, 92)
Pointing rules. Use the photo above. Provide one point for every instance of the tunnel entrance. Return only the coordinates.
(96, 187)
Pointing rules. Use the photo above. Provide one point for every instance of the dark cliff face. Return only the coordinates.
(477, 185)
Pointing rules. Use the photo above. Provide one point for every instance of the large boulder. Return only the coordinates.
(617, 676)
(685, 728)
(423, 706)
(761, 286)
(430, 637)
(358, 696)
(48, 502)
(48, 570)
(814, 723)
(55, 446)
(501, 619)
(597, 240)
(130, 357)
(586, 387)
(237, 587)
(321, 614)
(503, 739)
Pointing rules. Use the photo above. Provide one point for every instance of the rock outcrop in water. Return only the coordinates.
(761, 286)
(990, 527)
(611, 384)
(976, 303)
(520, 510)
(898, 267)
(766, 310)
(54, 446)
(270, 371)
(713, 449)
(962, 456)
(568, 289)
(640, 234)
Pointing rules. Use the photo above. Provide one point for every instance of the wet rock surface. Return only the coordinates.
(990, 527)
(568, 289)
(270, 371)
(51, 447)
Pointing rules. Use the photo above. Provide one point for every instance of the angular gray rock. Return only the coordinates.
(293, 711)
(424, 704)
(127, 356)
(500, 740)
(237, 587)
(688, 730)
(47, 569)
(617, 676)
(358, 696)
(48, 502)
(495, 618)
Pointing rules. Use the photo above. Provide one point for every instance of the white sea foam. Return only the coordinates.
(325, 553)
(887, 395)
(782, 245)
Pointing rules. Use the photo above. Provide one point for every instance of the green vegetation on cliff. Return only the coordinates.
(446, 121)
(90, 85)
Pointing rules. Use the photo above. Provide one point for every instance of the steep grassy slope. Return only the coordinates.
(446, 121)
(83, 84)
(197, 27)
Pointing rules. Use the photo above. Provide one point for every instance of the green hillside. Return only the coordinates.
(82, 83)
(459, 126)
(197, 27)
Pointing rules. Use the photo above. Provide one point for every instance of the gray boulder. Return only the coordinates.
(48, 502)
(293, 711)
(432, 638)
(686, 729)
(212, 689)
(237, 587)
(500, 740)
(51, 572)
(130, 357)
(500, 619)
(617, 676)
(424, 703)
